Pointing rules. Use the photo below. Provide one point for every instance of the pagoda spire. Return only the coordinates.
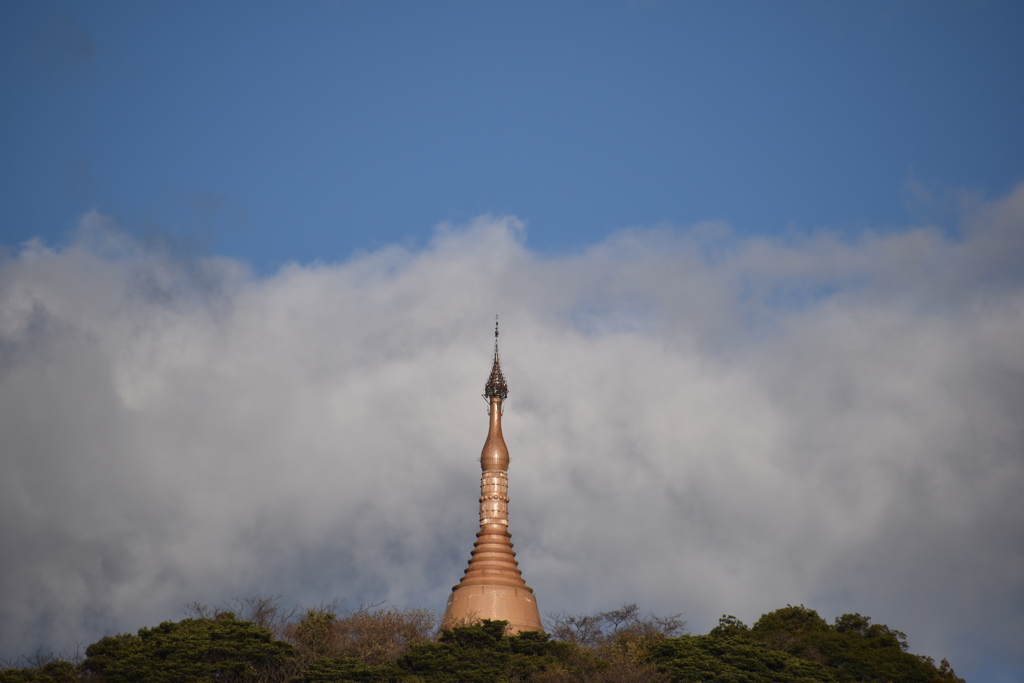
(492, 586)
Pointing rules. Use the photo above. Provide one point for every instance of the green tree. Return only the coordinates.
(57, 671)
(789, 645)
(729, 626)
(733, 658)
(853, 648)
(481, 653)
(193, 650)
(349, 670)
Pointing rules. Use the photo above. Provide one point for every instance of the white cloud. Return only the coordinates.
(698, 422)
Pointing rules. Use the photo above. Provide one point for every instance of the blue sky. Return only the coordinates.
(305, 131)
(758, 266)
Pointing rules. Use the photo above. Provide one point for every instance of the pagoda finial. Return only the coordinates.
(496, 386)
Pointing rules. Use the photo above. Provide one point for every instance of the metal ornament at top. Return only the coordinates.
(496, 388)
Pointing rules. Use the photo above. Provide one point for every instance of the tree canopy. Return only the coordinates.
(789, 645)
(222, 648)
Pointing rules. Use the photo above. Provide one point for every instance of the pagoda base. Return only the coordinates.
(469, 604)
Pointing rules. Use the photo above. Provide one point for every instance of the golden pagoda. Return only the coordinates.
(493, 586)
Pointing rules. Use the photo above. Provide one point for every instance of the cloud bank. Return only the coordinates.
(698, 422)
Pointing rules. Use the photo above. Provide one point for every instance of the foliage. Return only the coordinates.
(57, 671)
(372, 645)
(349, 669)
(582, 665)
(728, 625)
(595, 630)
(612, 647)
(314, 635)
(620, 640)
(371, 636)
(482, 653)
(191, 650)
(795, 644)
(854, 648)
(719, 659)
(263, 611)
(478, 653)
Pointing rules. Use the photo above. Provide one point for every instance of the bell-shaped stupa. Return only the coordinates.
(493, 586)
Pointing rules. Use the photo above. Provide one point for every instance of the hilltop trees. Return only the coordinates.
(795, 643)
(370, 635)
(387, 645)
(222, 648)
(853, 647)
